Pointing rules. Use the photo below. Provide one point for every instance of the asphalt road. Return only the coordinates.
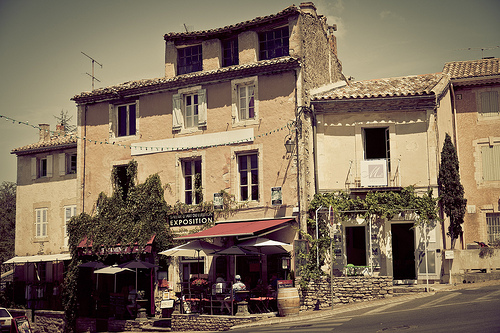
(469, 309)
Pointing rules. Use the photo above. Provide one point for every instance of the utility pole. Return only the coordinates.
(92, 75)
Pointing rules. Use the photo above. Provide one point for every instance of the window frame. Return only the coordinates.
(251, 187)
(41, 222)
(494, 175)
(492, 227)
(236, 85)
(493, 100)
(230, 52)
(66, 218)
(192, 62)
(179, 109)
(193, 191)
(114, 120)
(270, 44)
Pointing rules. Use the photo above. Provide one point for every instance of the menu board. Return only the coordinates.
(21, 324)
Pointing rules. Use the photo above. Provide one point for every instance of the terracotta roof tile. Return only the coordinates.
(238, 26)
(54, 141)
(472, 68)
(415, 85)
(179, 79)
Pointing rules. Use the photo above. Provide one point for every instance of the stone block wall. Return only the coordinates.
(45, 321)
(187, 322)
(317, 295)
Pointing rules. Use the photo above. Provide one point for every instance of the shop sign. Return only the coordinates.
(218, 201)
(276, 196)
(187, 219)
(285, 284)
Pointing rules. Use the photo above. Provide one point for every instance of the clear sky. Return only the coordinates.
(42, 67)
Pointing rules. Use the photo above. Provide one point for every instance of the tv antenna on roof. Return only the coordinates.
(92, 75)
(480, 48)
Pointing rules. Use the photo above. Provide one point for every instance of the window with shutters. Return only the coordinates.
(69, 212)
(377, 144)
(41, 167)
(41, 222)
(245, 101)
(189, 109)
(491, 162)
(489, 103)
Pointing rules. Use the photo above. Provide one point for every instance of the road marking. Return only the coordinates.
(489, 296)
(384, 307)
(437, 301)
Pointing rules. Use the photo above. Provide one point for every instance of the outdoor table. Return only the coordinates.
(261, 303)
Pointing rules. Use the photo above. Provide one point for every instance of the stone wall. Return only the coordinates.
(317, 295)
(187, 322)
(45, 321)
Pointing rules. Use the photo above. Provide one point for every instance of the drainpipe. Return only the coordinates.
(315, 150)
(317, 236)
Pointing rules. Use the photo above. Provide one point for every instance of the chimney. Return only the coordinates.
(308, 7)
(44, 132)
(60, 129)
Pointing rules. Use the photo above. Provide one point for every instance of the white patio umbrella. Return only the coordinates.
(192, 249)
(113, 270)
(267, 246)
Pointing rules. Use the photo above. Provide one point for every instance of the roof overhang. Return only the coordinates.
(39, 258)
(241, 229)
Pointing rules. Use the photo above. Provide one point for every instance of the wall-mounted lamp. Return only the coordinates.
(285, 263)
(289, 145)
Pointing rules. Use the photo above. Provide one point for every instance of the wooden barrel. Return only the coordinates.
(288, 301)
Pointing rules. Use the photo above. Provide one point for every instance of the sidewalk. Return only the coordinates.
(341, 308)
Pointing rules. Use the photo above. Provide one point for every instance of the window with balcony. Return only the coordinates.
(377, 144)
(248, 170)
(230, 54)
(274, 43)
(189, 59)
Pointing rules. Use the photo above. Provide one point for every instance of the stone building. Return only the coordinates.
(384, 135)
(46, 200)
(476, 87)
(218, 120)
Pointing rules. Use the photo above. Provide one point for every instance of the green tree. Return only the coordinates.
(451, 191)
(64, 119)
(7, 220)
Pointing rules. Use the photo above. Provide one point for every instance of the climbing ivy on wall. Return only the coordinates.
(376, 206)
(130, 217)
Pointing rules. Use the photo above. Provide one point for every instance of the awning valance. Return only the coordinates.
(85, 248)
(241, 228)
(39, 258)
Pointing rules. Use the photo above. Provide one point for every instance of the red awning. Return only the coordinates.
(247, 228)
(85, 247)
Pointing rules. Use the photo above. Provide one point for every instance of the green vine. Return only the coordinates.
(377, 206)
(130, 216)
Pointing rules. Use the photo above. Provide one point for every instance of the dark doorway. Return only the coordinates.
(377, 144)
(355, 245)
(403, 251)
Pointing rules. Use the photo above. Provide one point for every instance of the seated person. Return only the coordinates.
(237, 286)
(132, 301)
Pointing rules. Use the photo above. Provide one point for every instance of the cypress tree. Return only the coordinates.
(451, 190)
